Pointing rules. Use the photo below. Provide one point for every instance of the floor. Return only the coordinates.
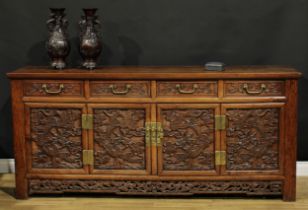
(7, 201)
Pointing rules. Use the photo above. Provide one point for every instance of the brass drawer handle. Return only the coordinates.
(124, 92)
(60, 89)
(180, 90)
(251, 92)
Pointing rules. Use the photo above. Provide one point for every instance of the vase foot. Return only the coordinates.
(58, 64)
(89, 64)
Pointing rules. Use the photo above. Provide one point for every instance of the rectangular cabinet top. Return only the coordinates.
(157, 72)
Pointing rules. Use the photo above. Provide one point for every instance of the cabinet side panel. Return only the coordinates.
(19, 139)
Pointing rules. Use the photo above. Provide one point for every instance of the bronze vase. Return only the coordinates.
(90, 41)
(58, 46)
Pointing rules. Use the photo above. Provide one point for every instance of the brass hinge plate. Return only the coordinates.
(157, 133)
(87, 157)
(160, 133)
(220, 122)
(220, 158)
(153, 133)
(87, 121)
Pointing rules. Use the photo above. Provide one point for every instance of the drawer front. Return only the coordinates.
(53, 88)
(186, 88)
(120, 89)
(254, 88)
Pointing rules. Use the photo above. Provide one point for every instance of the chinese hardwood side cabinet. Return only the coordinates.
(156, 130)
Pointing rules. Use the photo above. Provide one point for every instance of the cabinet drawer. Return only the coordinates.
(53, 88)
(254, 88)
(186, 88)
(120, 89)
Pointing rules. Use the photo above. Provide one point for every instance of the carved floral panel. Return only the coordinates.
(119, 138)
(252, 139)
(254, 88)
(68, 89)
(122, 89)
(195, 88)
(56, 137)
(188, 142)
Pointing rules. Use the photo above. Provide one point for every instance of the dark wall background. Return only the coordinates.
(163, 32)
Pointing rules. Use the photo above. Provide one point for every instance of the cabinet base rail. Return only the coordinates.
(39, 186)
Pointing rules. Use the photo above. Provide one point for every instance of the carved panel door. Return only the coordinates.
(118, 139)
(55, 138)
(189, 139)
(253, 138)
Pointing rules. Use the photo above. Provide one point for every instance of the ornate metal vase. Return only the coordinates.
(58, 46)
(90, 43)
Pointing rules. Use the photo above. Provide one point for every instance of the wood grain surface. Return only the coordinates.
(158, 72)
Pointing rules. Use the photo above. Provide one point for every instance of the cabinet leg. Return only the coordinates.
(21, 194)
(290, 153)
(21, 190)
(289, 191)
(289, 197)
